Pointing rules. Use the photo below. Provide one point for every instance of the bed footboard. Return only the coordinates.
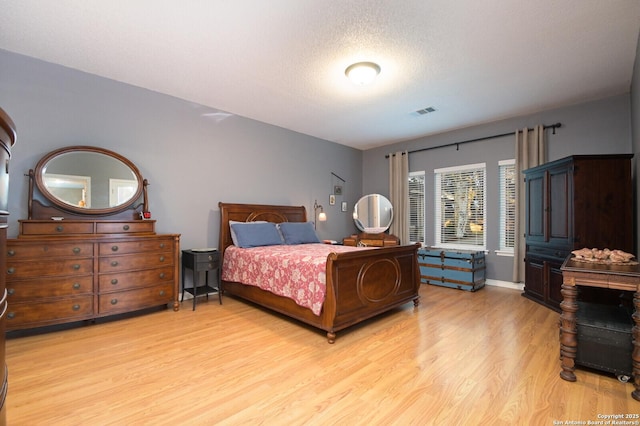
(366, 283)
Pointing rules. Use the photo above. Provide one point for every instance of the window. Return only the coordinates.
(460, 207)
(416, 207)
(507, 170)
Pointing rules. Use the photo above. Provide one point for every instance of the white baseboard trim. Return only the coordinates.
(505, 284)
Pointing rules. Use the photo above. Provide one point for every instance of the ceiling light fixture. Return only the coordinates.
(362, 73)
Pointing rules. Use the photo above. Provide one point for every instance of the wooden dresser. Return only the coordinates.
(90, 249)
(7, 139)
(365, 239)
(72, 270)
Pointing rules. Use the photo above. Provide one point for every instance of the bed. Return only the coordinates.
(360, 284)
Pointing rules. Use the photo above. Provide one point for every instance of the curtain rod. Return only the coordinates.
(457, 144)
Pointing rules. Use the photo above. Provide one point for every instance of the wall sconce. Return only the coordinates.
(322, 217)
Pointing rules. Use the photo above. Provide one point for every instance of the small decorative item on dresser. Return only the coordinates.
(201, 260)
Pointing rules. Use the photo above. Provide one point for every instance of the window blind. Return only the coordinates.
(507, 170)
(416, 207)
(460, 206)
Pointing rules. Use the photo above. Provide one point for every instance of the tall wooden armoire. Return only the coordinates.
(7, 139)
(575, 202)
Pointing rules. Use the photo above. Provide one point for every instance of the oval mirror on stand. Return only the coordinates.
(87, 181)
(373, 214)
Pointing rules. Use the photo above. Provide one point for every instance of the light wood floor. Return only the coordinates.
(483, 358)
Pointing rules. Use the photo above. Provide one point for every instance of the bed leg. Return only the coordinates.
(331, 337)
(416, 302)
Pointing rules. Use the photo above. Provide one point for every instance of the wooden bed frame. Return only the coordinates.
(360, 284)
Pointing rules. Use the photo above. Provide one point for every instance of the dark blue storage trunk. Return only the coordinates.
(461, 269)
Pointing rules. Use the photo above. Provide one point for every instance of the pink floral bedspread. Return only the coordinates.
(294, 271)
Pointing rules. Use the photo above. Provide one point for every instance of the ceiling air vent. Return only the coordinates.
(426, 110)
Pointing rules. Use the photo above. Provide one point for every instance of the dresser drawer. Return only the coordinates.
(207, 261)
(208, 266)
(27, 290)
(136, 246)
(19, 250)
(548, 252)
(56, 228)
(36, 313)
(127, 227)
(135, 279)
(370, 243)
(125, 301)
(48, 268)
(128, 262)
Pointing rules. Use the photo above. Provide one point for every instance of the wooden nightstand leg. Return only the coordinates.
(195, 287)
(183, 271)
(219, 274)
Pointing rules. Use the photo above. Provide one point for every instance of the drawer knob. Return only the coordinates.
(114, 263)
(161, 258)
(114, 248)
(11, 270)
(11, 315)
(11, 253)
(76, 286)
(59, 228)
(161, 292)
(210, 257)
(76, 267)
(161, 245)
(162, 275)
(114, 281)
(126, 227)
(76, 307)
(76, 250)
(11, 291)
(114, 301)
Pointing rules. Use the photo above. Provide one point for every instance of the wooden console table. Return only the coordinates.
(612, 276)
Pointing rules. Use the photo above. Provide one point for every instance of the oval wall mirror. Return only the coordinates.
(88, 180)
(373, 214)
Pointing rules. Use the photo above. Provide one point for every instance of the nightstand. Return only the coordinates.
(201, 261)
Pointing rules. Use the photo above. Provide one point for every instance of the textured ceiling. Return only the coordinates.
(282, 61)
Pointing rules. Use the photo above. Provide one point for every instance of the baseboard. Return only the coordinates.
(505, 284)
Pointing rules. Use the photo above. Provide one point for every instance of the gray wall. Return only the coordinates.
(599, 127)
(192, 160)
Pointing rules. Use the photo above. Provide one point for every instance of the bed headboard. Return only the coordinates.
(254, 212)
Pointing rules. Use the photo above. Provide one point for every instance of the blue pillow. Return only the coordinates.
(298, 233)
(256, 234)
(233, 233)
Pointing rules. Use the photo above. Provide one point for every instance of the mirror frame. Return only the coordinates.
(40, 184)
(368, 230)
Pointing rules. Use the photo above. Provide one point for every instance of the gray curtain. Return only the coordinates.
(530, 152)
(399, 194)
